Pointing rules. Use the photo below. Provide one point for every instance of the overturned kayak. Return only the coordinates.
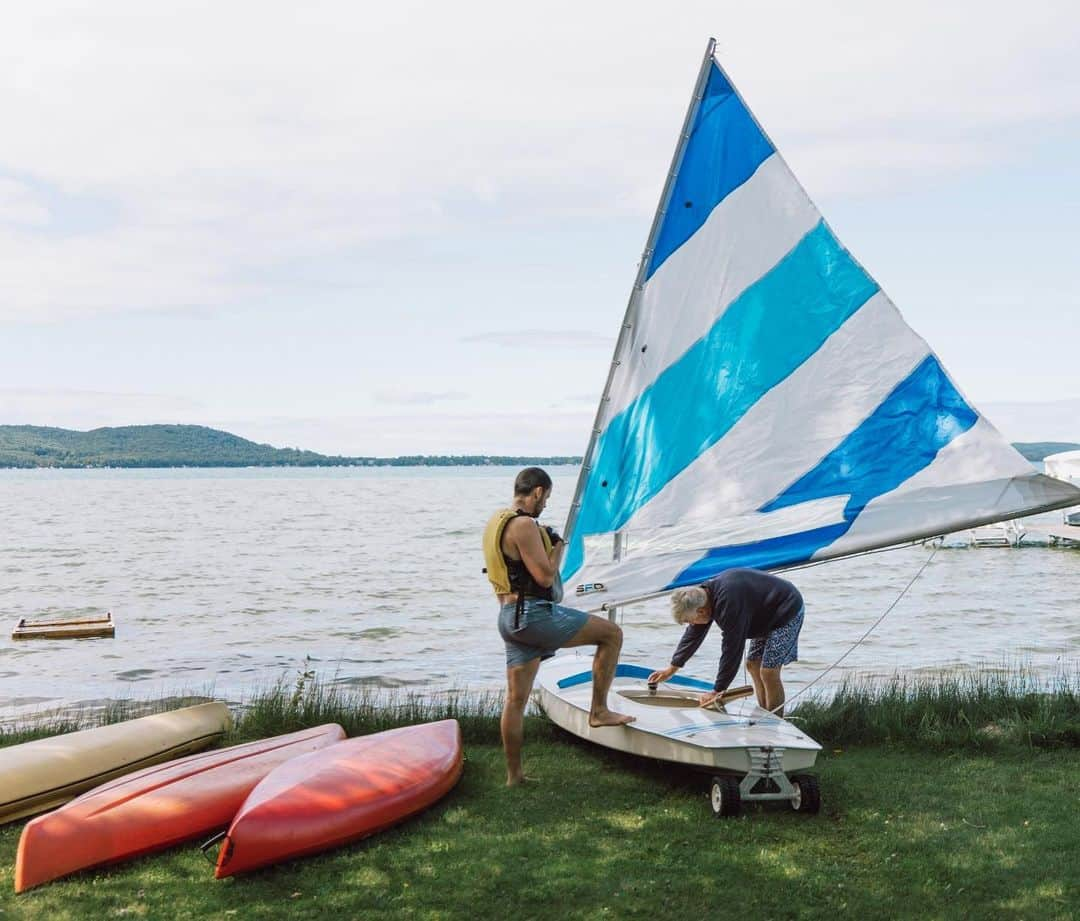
(342, 793)
(155, 808)
(38, 776)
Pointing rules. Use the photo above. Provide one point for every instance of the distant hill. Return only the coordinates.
(1037, 450)
(198, 446)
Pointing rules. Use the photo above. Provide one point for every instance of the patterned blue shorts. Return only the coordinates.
(779, 646)
(542, 628)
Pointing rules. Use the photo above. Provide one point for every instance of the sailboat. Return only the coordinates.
(766, 406)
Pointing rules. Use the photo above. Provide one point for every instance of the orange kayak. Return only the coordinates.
(155, 808)
(342, 793)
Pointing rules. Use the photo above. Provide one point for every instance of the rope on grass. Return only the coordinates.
(859, 641)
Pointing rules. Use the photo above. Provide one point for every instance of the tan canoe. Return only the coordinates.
(38, 776)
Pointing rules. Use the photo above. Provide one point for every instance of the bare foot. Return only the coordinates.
(607, 717)
(520, 780)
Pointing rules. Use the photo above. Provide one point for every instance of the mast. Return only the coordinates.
(630, 317)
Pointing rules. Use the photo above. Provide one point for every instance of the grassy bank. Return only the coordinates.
(910, 827)
(981, 710)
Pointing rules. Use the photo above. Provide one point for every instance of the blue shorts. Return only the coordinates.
(780, 646)
(543, 628)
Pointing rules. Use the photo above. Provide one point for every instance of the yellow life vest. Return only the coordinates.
(494, 559)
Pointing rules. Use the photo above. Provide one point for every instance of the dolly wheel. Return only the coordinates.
(807, 796)
(724, 796)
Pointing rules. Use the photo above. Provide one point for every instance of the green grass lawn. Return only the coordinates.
(903, 832)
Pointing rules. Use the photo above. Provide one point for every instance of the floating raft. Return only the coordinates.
(64, 629)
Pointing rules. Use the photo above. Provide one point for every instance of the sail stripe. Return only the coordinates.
(758, 457)
(785, 550)
(780, 321)
(746, 235)
(724, 149)
(958, 477)
(901, 437)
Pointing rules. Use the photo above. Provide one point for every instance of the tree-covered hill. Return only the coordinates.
(194, 446)
(199, 446)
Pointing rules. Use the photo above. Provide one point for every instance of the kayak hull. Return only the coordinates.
(341, 794)
(155, 808)
(38, 776)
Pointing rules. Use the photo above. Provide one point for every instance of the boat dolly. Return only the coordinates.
(766, 780)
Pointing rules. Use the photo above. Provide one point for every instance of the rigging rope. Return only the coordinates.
(859, 641)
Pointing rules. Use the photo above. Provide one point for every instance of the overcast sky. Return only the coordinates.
(412, 227)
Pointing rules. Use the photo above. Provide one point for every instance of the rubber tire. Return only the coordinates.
(724, 796)
(809, 794)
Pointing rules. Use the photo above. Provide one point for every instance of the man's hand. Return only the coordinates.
(556, 537)
(663, 674)
(707, 700)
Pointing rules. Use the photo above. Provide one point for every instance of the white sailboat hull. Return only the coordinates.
(669, 726)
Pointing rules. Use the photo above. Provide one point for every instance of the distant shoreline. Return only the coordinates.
(170, 447)
(176, 447)
(433, 461)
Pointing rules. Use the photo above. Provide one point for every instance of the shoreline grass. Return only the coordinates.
(965, 708)
(906, 831)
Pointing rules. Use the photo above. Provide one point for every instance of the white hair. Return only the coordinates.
(685, 603)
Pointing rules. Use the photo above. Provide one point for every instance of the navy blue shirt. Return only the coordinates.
(746, 604)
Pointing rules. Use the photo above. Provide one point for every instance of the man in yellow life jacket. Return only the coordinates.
(522, 559)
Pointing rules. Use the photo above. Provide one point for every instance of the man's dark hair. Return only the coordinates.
(529, 479)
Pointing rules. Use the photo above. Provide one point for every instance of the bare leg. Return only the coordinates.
(608, 639)
(753, 666)
(519, 682)
(774, 690)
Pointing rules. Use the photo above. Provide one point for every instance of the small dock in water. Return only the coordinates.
(1062, 532)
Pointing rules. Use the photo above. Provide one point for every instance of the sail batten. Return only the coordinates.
(770, 406)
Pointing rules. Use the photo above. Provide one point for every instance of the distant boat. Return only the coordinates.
(766, 406)
(1065, 466)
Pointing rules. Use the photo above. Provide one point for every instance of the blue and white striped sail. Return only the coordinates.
(768, 405)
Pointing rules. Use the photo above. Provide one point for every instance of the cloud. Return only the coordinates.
(543, 339)
(20, 206)
(88, 409)
(343, 125)
(417, 397)
(1056, 420)
(578, 399)
(420, 432)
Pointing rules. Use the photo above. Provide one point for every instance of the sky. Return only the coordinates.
(413, 227)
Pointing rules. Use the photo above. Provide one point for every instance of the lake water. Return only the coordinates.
(227, 580)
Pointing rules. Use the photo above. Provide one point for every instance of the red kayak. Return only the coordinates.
(155, 808)
(342, 793)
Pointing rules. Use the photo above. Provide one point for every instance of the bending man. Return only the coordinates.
(522, 560)
(745, 604)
